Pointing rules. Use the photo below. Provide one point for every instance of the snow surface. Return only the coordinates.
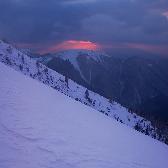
(42, 128)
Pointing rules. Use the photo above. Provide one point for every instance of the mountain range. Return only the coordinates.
(32, 67)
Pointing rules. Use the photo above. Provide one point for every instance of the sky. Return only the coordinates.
(53, 25)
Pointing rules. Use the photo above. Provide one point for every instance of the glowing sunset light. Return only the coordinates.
(74, 44)
(165, 14)
(158, 49)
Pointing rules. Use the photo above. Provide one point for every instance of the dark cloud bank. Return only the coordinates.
(111, 23)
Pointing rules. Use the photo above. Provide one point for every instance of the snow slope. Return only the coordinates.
(42, 128)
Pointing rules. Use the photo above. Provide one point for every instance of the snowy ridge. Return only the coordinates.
(68, 54)
(51, 130)
(21, 62)
(73, 55)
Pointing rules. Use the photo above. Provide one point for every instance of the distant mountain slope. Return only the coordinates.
(71, 63)
(40, 127)
(28, 66)
(136, 82)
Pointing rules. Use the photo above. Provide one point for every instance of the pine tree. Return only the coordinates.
(66, 80)
(87, 96)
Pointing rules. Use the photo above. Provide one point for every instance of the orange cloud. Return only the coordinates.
(165, 14)
(73, 44)
(158, 49)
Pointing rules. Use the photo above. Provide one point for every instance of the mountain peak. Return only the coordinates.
(74, 54)
(75, 57)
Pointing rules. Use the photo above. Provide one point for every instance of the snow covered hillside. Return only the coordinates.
(42, 128)
(28, 66)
